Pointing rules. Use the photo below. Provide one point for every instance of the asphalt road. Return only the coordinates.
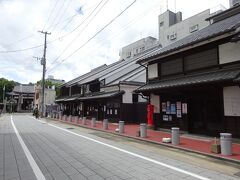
(31, 149)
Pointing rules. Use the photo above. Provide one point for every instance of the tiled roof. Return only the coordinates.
(24, 89)
(213, 30)
(103, 95)
(98, 95)
(203, 78)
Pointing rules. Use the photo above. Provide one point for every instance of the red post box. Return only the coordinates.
(150, 109)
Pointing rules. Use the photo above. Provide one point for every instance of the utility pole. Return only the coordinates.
(43, 62)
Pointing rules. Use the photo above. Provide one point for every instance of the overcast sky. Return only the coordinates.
(72, 24)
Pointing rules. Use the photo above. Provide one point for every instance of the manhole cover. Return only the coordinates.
(69, 128)
(237, 174)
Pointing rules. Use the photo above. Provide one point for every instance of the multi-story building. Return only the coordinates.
(138, 47)
(172, 28)
(193, 83)
(49, 96)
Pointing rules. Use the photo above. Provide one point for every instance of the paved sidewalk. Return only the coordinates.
(192, 144)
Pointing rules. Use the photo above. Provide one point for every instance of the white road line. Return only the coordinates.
(134, 154)
(38, 173)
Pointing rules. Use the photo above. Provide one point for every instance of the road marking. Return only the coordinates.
(38, 173)
(134, 154)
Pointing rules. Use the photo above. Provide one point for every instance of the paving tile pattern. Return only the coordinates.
(63, 156)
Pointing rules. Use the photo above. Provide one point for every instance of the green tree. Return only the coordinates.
(9, 85)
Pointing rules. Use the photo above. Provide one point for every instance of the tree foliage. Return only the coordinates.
(9, 85)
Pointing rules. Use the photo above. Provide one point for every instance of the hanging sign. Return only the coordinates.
(184, 108)
(164, 107)
(173, 108)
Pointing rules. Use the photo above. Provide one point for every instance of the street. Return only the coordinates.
(38, 149)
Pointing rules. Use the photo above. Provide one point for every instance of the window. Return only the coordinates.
(202, 59)
(173, 36)
(128, 54)
(135, 98)
(142, 49)
(161, 24)
(193, 28)
(171, 67)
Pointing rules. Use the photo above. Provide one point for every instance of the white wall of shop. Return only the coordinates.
(127, 96)
(152, 71)
(155, 101)
(229, 52)
(231, 97)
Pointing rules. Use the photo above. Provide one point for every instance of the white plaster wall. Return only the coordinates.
(229, 52)
(140, 99)
(155, 100)
(231, 97)
(152, 71)
(50, 96)
(110, 88)
(127, 96)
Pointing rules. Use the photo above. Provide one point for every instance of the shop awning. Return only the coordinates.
(102, 95)
(203, 78)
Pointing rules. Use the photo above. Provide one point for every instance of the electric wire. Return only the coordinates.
(50, 14)
(110, 22)
(57, 13)
(125, 27)
(61, 37)
(75, 38)
(63, 12)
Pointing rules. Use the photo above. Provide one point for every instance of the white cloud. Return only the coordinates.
(23, 18)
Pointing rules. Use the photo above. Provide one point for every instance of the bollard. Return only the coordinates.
(226, 143)
(70, 118)
(64, 117)
(93, 122)
(121, 127)
(84, 121)
(175, 136)
(75, 119)
(105, 124)
(143, 130)
(60, 116)
(51, 115)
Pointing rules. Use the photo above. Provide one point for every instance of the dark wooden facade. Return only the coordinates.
(205, 106)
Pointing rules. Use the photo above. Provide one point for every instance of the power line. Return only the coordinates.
(110, 22)
(81, 30)
(131, 22)
(58, 12)
(20, 50)
(64, 10)
(50, 14)
(20, 40)
(61, 37)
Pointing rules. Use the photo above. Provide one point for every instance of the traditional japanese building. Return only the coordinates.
(193, 83)
(107, 92)
(21, 99)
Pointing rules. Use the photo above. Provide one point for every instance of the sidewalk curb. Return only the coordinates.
(153, 142)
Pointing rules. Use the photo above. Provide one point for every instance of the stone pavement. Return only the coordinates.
(61, 155)
(13, 162)
(193, 144)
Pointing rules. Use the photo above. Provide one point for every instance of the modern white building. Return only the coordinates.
(172, 28)
(138, 47)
